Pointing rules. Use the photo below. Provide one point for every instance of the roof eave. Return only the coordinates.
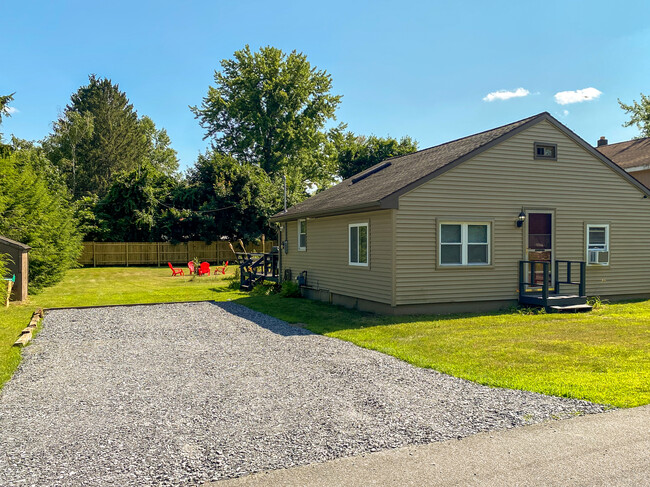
(372, 206)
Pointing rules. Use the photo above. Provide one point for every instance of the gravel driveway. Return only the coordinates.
(185, 393)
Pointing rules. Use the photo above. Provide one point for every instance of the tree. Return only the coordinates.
(640, 114)
(159, 152)
(35, 210)
(357, 152)
(4, 112)
(224, 199)
(269, 109)
(129, 212)
(115, 144)
(69, 132)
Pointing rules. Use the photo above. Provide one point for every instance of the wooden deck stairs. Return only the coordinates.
(535, 289)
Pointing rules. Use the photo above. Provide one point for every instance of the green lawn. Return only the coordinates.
(602, 356)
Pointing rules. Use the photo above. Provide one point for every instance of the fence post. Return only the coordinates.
(187, 247)
(158, 253)
(94, 259)
(126, 244)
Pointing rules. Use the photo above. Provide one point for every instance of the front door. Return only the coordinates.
(540, 243)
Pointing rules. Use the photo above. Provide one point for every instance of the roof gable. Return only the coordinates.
(381, 185)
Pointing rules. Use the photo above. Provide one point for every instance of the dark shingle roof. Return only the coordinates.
(381, 185)
(403, 171)
(633, 153)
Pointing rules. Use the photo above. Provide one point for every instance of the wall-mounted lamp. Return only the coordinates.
(521, 218)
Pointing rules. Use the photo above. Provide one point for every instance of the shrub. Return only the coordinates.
(290, 289)
(35, 210)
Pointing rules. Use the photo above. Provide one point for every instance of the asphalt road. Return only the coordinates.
(609, 449)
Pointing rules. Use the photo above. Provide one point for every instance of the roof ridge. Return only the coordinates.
(623, 142)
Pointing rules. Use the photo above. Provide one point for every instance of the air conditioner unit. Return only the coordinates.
(599, 257)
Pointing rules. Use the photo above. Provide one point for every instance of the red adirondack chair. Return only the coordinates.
(175, 272)
(204, 269)
(190, 265)
(221, 270)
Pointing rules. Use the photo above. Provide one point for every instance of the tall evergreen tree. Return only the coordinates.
(159, 152)
(115, 144)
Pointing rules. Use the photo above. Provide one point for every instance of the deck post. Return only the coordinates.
(522, 285)
(583, 279)
(557, 277)
(546, 267)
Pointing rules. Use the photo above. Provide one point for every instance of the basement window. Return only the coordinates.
(545, 151)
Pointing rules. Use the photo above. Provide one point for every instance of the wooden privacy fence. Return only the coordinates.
(159, 253)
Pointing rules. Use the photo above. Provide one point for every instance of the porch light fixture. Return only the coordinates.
(521, 218)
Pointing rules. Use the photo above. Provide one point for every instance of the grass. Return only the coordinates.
(602, 356)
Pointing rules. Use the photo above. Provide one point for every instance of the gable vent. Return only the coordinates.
(363, 176)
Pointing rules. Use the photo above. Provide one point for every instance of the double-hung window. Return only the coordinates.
(358, 242)
(302, 234)
(465, 244)
(598, 244)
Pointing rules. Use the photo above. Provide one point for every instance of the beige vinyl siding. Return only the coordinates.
(493, 187)
(326, 257)
(642, 176)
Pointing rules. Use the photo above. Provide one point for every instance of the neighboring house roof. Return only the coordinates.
(380, 186)
(630, 155)
(13, 243)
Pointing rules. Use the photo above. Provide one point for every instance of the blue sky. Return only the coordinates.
(404, 68)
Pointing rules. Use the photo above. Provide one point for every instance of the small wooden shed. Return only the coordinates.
(19, 265)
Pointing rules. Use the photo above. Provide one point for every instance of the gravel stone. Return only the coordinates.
(180, 394)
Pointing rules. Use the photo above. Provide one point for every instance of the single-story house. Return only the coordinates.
(632, 155)
(454, 227)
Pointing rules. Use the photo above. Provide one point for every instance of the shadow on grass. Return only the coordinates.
(326, 318)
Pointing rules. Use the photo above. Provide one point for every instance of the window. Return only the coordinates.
(545, 151)
(302, 234)
(358, 244)
(464, 244)
(598, 244)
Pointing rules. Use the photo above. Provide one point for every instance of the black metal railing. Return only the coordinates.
(257, 267)
(528, 276)
(582, 277)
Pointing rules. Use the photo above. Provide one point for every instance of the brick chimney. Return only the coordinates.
(602, 141)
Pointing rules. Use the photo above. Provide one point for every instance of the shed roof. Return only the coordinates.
(13, 243)
(381, 185)
(630, 154)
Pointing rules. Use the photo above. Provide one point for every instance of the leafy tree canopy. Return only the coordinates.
(639, 114)
(129, 212)
(269, 109)
(226, 199)
(159, 152)
(357, 152)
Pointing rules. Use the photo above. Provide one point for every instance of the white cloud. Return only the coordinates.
(577, 96)
(565, 113)
(10, 110)
(506, 95)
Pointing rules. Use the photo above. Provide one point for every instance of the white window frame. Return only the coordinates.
(302, 249)
(588, 245)
(350, 227)
(464, 225)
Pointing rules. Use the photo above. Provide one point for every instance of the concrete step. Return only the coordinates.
(576, 308)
